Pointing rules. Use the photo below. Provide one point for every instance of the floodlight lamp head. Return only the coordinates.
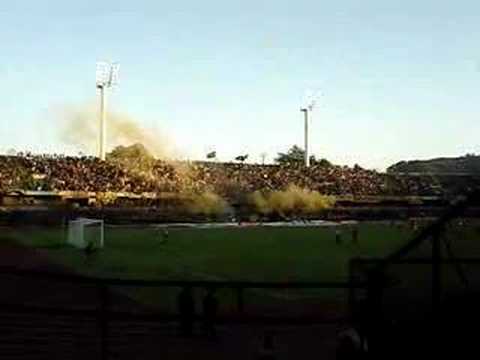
(310, 101)
(107, 74)
(311, 105)
(101, 74)
(113, 75)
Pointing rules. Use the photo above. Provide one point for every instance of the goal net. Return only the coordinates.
(83, 231)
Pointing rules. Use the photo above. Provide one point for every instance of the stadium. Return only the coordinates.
(280, 243)
(123, 249)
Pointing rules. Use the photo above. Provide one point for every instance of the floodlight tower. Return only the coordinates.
(308, 108)
(106, 78)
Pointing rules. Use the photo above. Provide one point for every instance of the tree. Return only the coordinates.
(212, 155)
(321, 162)
(295, 155)
(242, 158)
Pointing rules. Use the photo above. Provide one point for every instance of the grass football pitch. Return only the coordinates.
(248, 253)
(238, 253)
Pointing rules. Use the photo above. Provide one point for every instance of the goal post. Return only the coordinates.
(83, 231)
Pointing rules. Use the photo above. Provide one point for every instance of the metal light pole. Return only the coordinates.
(263, 155)
(107, 78)
(306, 155)
(103, 123)
(310, 102)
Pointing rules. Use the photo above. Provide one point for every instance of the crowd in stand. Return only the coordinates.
(230, 178)
(56, 173)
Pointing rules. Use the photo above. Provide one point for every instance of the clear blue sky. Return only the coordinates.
(400, 79)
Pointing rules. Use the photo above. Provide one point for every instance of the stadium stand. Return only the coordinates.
(88, 174)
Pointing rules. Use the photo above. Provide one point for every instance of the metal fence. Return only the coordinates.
(99, 316)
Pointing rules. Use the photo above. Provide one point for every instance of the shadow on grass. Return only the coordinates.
(9, 241)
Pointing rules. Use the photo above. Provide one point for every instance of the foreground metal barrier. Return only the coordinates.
(100, 311)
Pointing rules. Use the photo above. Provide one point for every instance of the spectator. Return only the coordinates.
(186, 308)
(210, 309)
(267, 347)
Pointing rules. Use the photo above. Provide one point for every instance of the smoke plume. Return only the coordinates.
(208, 203)
(291, 200)
(79, 126)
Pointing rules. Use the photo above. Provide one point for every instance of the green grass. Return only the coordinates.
(261, 253)
(257, 254)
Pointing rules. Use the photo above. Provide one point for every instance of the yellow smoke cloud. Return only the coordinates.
(293, 199)
(208, 203)
(79, 126)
